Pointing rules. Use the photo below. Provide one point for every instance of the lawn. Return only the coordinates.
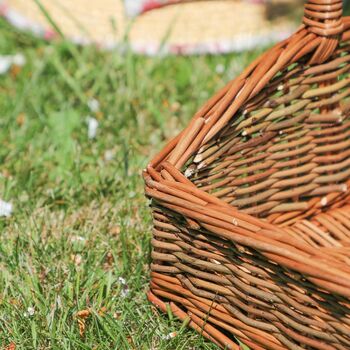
(74, 254)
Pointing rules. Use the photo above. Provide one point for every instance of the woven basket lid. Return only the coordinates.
(189, 27)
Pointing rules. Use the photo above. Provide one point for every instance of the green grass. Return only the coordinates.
(80, 221)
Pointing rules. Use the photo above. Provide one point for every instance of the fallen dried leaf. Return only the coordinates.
(20, 119)
(15, 70)
(114, 230)
(81, 316)
(43, 274)
(117, 315)
(83, 313)
(131, 342)
(102, 311)
(81, 325)
(5, 173)
(11, 346)
(15, 302)
(109, 260)
(77, 259)
(99, 115)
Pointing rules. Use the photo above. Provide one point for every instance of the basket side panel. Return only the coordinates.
(237, 292)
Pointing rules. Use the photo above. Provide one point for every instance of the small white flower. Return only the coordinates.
(124, 287)
(5, 64)
(109, 155)
(30, 312)
(170, 336)
(220, 68)
(132, 194)
(8, 60)
(59, 302)
(19, 59)
(92, 127)
(121, 280)
(124, 292)
(78, 239)
(5, 208)
(93, 105)
(77, 259)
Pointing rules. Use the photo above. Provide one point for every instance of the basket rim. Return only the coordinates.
(173, 145)
(281, 248)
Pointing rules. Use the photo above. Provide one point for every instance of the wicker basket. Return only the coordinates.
(251, 202)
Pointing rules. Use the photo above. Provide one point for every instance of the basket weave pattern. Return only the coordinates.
(251, 202)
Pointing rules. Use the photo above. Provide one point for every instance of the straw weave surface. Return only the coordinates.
(214, 26)
(251, 202)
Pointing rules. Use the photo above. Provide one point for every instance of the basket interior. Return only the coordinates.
(287, 151)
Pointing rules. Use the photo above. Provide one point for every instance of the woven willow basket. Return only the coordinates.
(251, 202)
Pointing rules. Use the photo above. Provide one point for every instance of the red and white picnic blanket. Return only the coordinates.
(136, 7)
(148, 32)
